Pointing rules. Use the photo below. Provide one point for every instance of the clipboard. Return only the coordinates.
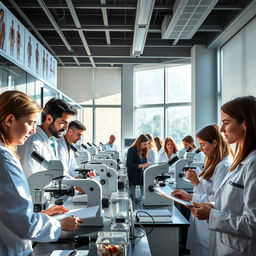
(166, 192)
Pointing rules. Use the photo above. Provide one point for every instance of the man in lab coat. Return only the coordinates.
(66, 155)
(56, 117)
(110, 145)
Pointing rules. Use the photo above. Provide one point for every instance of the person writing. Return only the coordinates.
(19, 225)
(217, 163)
(232, 218)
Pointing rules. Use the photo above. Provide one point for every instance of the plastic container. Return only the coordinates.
(112, 244)
(137, 192)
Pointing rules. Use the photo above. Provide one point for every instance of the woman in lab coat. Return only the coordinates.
(152, 150)
(188, 142)
(19, 225)
(232, 220)
(170, 150)
(217, 163)
(159, 145)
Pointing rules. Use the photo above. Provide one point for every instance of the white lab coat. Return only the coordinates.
(19, 225)
(159, 153)
(110, 146)
(67, 158)
(199, 158)
(152, 156)
(233, 221)
(40, 143)
(198, 233)
(163, 157)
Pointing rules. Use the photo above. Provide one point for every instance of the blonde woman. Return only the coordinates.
(152, 150)
(19, 225)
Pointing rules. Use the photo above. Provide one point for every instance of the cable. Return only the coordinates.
(140, 225)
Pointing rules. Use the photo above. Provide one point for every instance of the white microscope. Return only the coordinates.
(108, 177)
(93, 150)
(109, 162)
(153, 176)
(38, 183)
(181, 166)
(82, 157)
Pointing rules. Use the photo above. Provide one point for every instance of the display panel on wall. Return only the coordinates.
(18, 45)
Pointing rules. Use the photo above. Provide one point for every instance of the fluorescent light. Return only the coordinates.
(142, 21)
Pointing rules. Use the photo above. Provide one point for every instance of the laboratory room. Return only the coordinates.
(127, 128)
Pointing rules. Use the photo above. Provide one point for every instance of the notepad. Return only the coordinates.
(167, 192)
(82, 213)
(67, 252)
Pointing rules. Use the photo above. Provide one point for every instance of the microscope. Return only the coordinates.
(99, 148)
(65, 187)
(81, 157)
(109, 162)
(108, 177)
(92, 150)
(93, 190)
(38, 181)
(153, 176)
(102, 146)
(181, 166)
(105, 155)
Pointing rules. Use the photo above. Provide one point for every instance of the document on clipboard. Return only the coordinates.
(167, 192)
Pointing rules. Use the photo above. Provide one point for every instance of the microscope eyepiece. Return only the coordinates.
(36, 156)
(188, 149)
(73, 148)
(198, 151)
(83, 146)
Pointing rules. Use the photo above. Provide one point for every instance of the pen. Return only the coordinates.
(73, 253)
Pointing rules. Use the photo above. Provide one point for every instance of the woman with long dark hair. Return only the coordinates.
(136, 161)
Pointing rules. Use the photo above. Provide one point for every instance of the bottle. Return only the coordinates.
(137, 192)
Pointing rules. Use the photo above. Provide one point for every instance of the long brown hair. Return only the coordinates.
(169, 139)
(151, 143)
(144, 152)
(189, 139)
(20, 105)
(243, 109)
(210, 134)
(159, 143)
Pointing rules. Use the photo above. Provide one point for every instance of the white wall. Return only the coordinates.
(239, 64)
(77, 83)
(204, 87)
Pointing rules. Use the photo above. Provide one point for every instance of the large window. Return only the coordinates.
(102, 113)
(163, 102)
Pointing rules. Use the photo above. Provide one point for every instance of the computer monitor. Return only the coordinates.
(128, 142)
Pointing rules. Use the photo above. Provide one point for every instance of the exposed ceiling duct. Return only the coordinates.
(188, 16)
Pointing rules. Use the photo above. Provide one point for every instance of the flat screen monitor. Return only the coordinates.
(128, 142)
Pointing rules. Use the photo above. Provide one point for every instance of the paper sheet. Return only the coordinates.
(67, 252)
(166, 192)
(83, 213)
